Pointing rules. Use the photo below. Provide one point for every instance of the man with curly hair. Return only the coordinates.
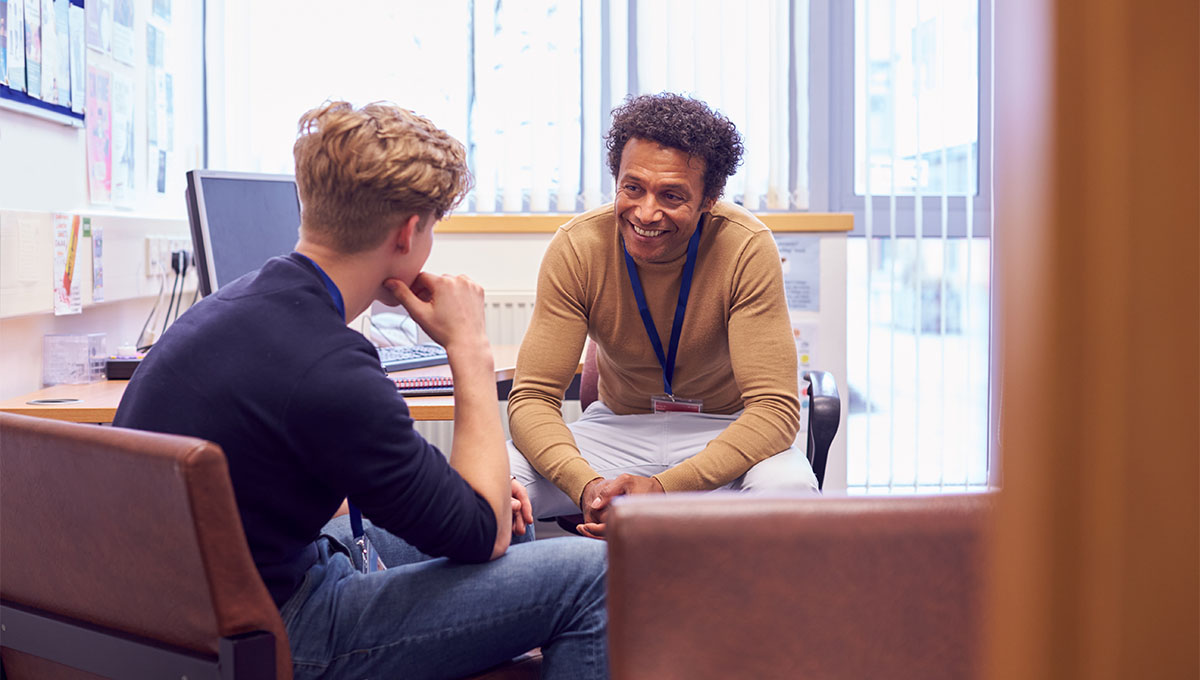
(267, 368)
(682, 294)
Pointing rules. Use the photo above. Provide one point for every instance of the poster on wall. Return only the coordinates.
(68, 293)
(78, 76)
(800, 255)
(33, 48)
(3, 42)
(16, 44)
(62, 32)
(49, 38)
(99, 25)
(99, 134)
(122, 142)
(97, 233)
(122, 31)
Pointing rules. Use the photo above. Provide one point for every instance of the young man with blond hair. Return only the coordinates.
(267, 368)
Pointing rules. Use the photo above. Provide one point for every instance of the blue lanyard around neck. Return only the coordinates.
(356, 525)
(685, 287)
(329, 286)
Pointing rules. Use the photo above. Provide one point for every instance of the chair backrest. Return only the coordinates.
(729, 585)
(131, 531)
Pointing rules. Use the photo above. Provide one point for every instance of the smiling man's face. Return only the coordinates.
(660, 199)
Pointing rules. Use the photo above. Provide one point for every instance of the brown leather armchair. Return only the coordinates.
(727, 585)
(124, 557)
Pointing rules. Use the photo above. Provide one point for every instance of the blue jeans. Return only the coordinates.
(433, 618)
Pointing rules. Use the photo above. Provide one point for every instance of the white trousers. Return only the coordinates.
(650, 443)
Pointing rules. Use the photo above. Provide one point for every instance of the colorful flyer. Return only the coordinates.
(99, 134)
(68, 298)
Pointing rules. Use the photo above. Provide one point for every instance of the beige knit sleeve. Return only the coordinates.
(546, 365)
(763, 355)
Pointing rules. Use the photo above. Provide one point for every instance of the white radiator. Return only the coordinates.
(508, 315)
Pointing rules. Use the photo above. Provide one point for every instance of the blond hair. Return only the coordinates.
(357, 168)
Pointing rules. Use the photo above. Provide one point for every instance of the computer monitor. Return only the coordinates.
(239, 221)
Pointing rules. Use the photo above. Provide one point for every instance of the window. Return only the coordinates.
(527, 86)
(915, 169)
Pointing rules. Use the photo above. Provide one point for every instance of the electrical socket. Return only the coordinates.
(158, 253)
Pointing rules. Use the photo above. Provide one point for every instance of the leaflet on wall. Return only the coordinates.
(155, 107)
(78, 76)
(3, 42)
(16, 44)
(62, 31)
(123, 183)
(800, 255)
(99, 134)
(33, 48)
(68, 294)
(122, 31)
(49, 52)
(99, 25)
(97, 234)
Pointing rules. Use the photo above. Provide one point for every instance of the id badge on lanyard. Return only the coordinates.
(667, 402)
(362, 543)
(369, 558)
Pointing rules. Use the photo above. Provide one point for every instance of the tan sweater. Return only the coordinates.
(735, 352)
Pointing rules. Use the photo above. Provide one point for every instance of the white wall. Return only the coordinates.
(43, 169)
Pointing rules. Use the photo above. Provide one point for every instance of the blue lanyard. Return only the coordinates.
(685, 287)
(329, 286)
(356, 525)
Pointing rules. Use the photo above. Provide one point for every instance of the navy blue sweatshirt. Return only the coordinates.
(267, 369)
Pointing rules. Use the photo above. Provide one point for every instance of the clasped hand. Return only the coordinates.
(598, 496)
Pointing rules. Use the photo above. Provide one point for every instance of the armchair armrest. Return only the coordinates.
(824, 415)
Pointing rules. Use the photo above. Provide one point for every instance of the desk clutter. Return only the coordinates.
(425, 386)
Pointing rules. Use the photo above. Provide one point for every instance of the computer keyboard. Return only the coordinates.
(411, 356)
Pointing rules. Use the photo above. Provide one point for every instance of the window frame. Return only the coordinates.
(832, 154)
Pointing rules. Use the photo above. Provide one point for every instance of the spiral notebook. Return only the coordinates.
(425, 385)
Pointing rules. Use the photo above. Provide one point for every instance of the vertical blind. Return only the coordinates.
(920, 310)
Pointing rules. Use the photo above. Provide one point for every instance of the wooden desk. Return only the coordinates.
(97, 402)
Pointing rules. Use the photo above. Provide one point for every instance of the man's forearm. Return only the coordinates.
(478, 452)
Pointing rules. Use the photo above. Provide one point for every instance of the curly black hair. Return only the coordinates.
(682, 123)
